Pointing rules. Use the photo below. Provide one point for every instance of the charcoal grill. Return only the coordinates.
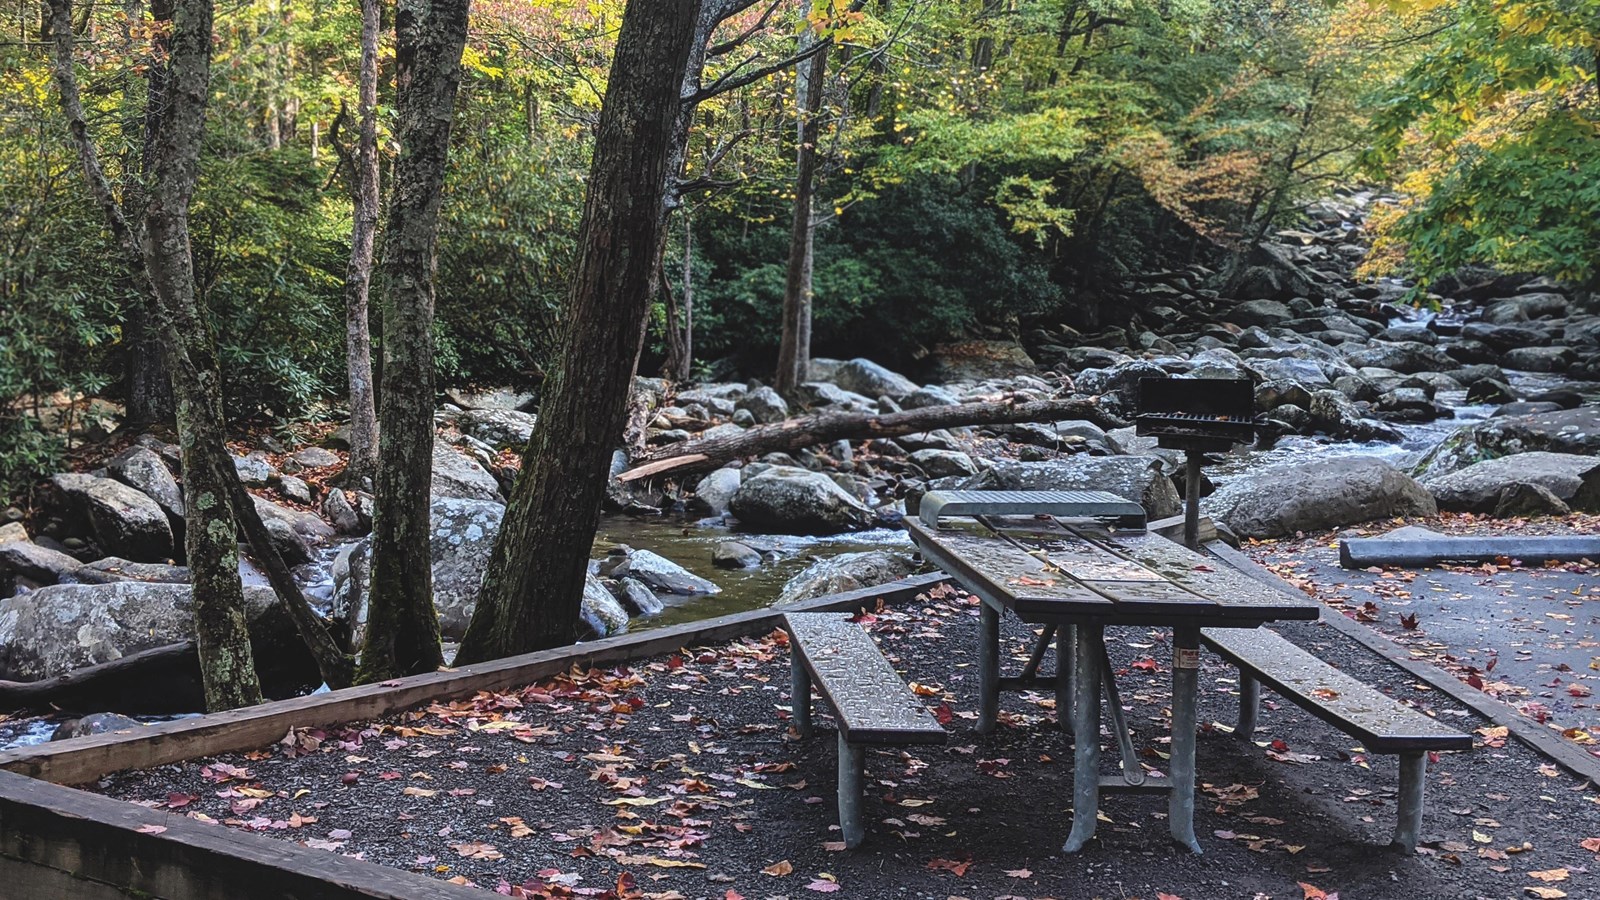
(1197, 416)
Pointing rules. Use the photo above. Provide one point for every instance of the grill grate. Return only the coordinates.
(1197, 413)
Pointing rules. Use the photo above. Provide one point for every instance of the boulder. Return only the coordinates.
(143, 470)
(846, 572)
(315, 457)
(1523, 307)
(716, 490)
(461, 477)
(1570, 478)
(53, 630)
(1307, 373)
(976, 360)
(929, 395)
(1323, 495)
(765, 405)
(662, 575)
(944, 463)
(254, 470)
(1538, 359)
(350, 518)
(294, 532)
(125, 521)
(1259, 312)
(94, 723)
(1575, 431)
(794, 500)
(499, 428)
(294, 489)
(1137, 478)
(39, 565)
(1404, 357)
(461, 541)
(863, 376)
(1526, 499)
(110, 568)
(492, 398)
(637, 597)
(735, 555)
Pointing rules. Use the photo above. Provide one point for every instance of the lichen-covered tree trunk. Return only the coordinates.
(227, 669)
(402, 627)
(363, 462)
(794, 348)
(535, 579)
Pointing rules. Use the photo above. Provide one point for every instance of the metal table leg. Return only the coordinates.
(1185, 688)
(1086, 731)
(1132, 772)
(988, 667)
(1066, 662)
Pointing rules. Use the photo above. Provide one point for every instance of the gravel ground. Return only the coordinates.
(677, 777)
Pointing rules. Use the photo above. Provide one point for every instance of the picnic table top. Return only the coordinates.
(1050, 571)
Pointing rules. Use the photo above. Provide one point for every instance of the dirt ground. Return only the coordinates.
(676, 777)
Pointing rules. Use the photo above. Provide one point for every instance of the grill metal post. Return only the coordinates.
(1191, 500)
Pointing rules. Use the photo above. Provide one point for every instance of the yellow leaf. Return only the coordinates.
(637, 801)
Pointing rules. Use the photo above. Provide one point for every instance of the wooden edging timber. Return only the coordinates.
(1541, 739)
(81, 760)
(59, 843)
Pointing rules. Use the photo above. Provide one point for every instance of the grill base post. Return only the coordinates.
(1191, 500)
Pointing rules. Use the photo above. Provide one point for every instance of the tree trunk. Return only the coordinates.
(226, 666)
(680, 337)
(363, 462)
(149, 393)
(808, 431)
(794, 349)
(402, 626)
(531, 592)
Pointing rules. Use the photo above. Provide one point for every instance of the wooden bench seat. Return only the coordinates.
(871, 703)
(1381, 723)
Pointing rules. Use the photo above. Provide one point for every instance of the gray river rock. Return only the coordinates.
(1570, 478)
(1315, 496)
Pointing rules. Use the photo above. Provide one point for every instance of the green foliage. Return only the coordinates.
(914, 266)
(1493, 130)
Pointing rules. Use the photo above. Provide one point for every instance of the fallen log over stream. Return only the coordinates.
(705, 454)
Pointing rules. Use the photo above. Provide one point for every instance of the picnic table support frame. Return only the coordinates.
(1066, 665)
(800, 695)
(1086, 737)
(988, 666)
(1413, 778)
(1132, 771)
(1185, 688)
(1249, 706)
(851, 762)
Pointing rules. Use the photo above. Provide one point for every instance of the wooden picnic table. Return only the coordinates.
(1077, 578)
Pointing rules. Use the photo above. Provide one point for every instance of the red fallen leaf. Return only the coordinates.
(1312, 892)
(1474, 681)
(1163, 895)
(943, 714)
(823, 886)
(151, 829)
(349, 777)
(1409, 623)
(1280, 745)
(1492, 661)
(1203, 568)
(179, 801)
(1147, 664)
(958, 869)
(1579, 690)
(1591, 844)
(732, 895)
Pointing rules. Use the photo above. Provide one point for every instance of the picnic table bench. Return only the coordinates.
(870, 703)
(1381, 723)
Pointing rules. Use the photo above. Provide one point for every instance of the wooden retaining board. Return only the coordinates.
(85, 759)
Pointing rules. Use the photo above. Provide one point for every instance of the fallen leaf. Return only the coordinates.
(151, 829)
(1549, 875)
(779, 869)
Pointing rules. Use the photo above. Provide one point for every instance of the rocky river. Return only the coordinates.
(1479, 397)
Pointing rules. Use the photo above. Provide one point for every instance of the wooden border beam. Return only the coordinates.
(81, 760)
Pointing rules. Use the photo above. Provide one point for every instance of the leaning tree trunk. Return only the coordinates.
(402, 626)
(794, 349)
(363, 462)
(226, 666)
(531, 592)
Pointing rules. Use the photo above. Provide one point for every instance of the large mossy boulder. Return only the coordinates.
(53, 630)
(1480, 487)
(797, 501)
(846, 572)
(1574, 431)
(461, 540)
(1317, 496)
(125, 522)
